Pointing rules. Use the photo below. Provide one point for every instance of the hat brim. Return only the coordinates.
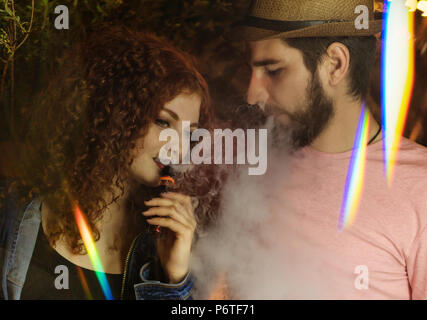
(335, 29)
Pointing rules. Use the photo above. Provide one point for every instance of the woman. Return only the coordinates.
(93, 148)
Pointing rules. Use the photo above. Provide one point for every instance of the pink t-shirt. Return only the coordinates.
(383, 254)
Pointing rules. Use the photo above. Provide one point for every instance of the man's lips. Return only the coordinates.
(159, 164)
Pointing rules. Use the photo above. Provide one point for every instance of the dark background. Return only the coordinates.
(27, 59)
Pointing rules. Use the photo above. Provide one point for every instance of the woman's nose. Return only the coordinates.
(185, 140)
(169, 146)
(178, 141)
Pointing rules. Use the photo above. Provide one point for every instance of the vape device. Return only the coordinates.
(166, 181)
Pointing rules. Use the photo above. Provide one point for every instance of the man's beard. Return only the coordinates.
(307, 124)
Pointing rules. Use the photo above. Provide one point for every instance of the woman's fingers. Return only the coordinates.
(159, 202)
(183, 199)
(172, 225)
(174, 212)
(181, 202)
(171, 204)
(171, 212)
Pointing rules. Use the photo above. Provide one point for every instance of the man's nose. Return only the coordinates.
(257, 92)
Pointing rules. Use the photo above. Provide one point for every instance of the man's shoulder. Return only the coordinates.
(413, 146)
(411, 170)
(413, 156)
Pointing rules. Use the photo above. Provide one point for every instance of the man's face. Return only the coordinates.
(282, 85)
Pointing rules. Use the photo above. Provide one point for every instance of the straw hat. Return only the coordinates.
(305, 18)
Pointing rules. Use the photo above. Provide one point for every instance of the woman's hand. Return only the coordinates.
(174, 213)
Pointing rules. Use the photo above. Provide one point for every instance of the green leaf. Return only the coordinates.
(6, 7)
(98, 7)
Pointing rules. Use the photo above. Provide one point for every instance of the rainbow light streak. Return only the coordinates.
(86, 234)
(355, 173)
(397, 78)
(85, 286)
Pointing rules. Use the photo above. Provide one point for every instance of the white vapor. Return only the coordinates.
(248, 241)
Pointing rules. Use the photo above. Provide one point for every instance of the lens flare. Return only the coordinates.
(355, 173)
(422, 6)
(220, 291)
(397, 78)
(85, 286)
(89, 244)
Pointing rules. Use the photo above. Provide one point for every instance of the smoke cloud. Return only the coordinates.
(253, 245)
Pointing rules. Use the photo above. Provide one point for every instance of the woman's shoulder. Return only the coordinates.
(9, 210)
(13, 205)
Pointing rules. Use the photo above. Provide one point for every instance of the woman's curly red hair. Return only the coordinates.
(83, 127)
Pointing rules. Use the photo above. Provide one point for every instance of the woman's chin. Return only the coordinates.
(152, 181)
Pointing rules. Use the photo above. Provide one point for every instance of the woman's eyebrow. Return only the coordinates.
(172, 114)
(176, 117)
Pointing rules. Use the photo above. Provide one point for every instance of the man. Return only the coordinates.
(311, 63)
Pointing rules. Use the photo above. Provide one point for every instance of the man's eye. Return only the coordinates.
(162, 123)
(275, 72)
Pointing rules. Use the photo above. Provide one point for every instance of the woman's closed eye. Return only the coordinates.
(162, 123)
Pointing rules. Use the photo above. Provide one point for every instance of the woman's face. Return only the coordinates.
(146, 167)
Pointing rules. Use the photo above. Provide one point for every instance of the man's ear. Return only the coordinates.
(337, 63)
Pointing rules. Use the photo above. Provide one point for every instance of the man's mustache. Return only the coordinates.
(276, 111)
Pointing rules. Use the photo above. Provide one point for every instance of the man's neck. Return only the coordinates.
(340, 132)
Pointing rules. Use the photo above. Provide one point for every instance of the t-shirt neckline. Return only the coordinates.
(375, 146)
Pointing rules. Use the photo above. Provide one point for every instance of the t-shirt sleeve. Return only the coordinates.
(417, 267)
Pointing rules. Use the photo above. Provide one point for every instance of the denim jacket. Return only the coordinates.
(19, 225)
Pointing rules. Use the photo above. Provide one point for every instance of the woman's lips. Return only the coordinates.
(159, 164)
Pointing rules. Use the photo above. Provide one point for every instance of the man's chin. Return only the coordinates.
(281, 134)
(283, 119)
(290, 134)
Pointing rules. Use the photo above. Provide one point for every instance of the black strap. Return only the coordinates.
(374, 137)
(282, 26)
